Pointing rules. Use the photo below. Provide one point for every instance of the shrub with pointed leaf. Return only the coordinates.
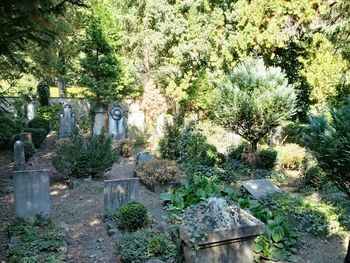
(253, 100)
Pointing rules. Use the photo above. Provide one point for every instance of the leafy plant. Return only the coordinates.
(8, 128)
(238, 152)
(82, 157)
(193, 147)
(29, 150)
(159, 172)
(131, 216)
(161, 247)
(168, 145)
(38, 135)
(329, 140)
(266, 159)
(294, 132)
(43, 90)
(126, 147)
(50, 114)
(134, 246)
(40, 241)
(290, 156)
(38, 122)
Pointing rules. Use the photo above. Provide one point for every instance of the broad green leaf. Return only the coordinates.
(277, 234)
(166, 197)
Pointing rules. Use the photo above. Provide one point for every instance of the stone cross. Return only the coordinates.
(67, 122)
(19, 156)
(32, 193)
(119, 192)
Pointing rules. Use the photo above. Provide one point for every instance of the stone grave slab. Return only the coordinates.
(32, 193)
(144, 157)
(119, 192)
(260, 187)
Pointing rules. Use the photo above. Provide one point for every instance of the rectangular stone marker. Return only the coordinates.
(260, 187)
(32, 193)
(119, 192)
(19, 156)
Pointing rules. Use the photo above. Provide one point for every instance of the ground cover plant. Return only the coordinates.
(40, 241)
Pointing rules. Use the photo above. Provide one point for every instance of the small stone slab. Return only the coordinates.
(260, 187)
(119, 192)
(32, 193)
(144, 157)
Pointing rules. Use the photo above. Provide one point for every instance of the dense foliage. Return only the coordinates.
(329, 139)
(83, 157)
(254, 100)
(8, 129)
(131, 216)
(40, 241)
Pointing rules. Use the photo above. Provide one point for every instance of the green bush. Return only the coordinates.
(290, 156)
(238, 152)
(161, 248)
(313, 175)
(8, 129)
(134, 246)
(266, 159)
(29, 150)
(139, 137)
(168, 145)
(82, 157)
(193, 148)
(41, 241)
(38, 135)
(131, 216)
(38, 122)
(294, 132)
(51, 114)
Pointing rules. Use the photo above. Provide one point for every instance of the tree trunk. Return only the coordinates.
(347, 258)
(253, 149)
(62, 88)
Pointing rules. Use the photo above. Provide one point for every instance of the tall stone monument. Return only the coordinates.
(67, 122)
(98, 121)
(19, 156)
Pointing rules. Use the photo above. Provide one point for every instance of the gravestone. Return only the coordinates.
(260, 187)
(144, 157)
(32, 193)
(119, 192)
(31, 110)
(98, 121)
(19, 156)
(117, 122)
(67, 122)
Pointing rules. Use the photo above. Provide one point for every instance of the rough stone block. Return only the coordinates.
(32, 193)
(260, 188)
(119, 192)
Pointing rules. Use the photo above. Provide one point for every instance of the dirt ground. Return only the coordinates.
(81, 209)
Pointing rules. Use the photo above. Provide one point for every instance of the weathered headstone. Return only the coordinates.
(32, 193)
(117, 122)
(144, 157)
(31, 110)
(98, 121)
(19, 156)
(119, 192)
(67, 122)
(260, 187)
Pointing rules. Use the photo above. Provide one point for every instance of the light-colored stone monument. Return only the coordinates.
(32, 193)
(67, 122)
(19, 156)
(117, 122)
(119, 192)
(98, 121)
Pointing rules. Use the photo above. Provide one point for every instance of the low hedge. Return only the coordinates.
(38, 122)
(38, 135)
